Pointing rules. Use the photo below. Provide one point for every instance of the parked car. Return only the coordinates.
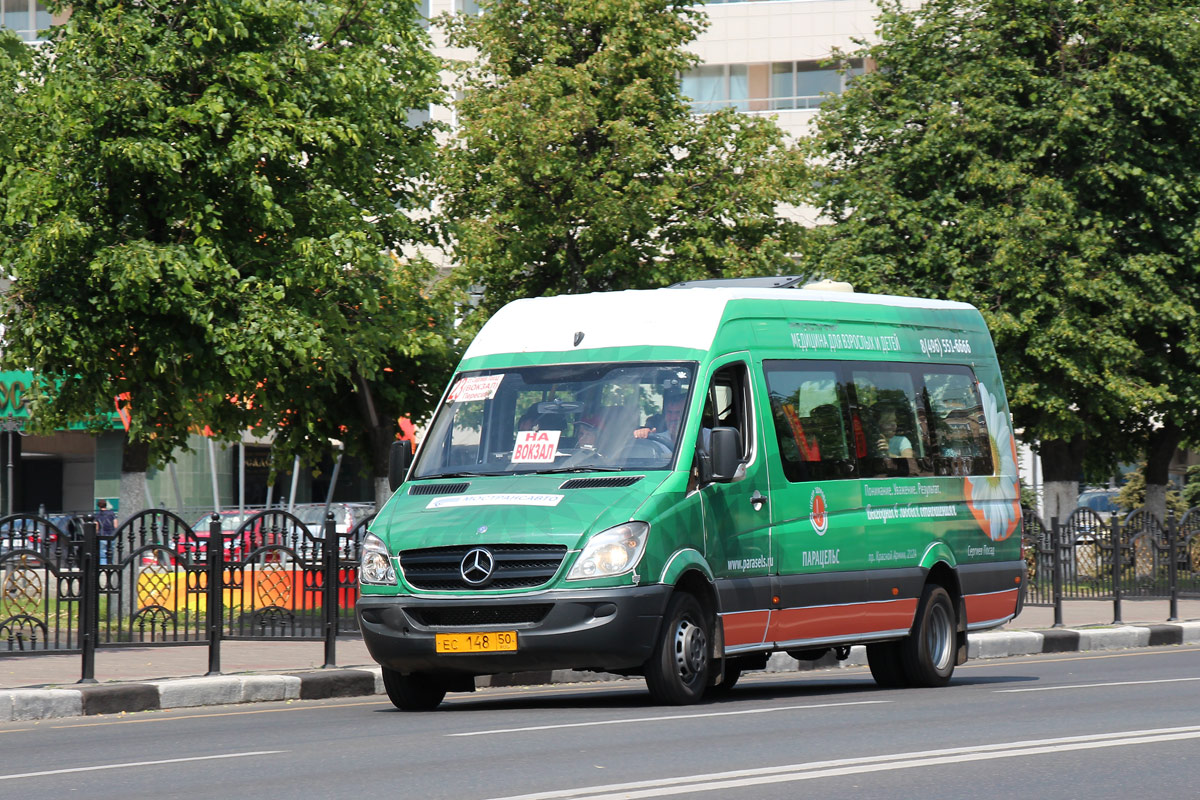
(16, 539)
(345, 515)
(1102, 501)
(231, 521)
(25, 533)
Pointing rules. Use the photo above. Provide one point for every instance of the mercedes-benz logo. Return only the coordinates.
(477, 566)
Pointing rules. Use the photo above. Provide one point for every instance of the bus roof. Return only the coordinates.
(678, 317)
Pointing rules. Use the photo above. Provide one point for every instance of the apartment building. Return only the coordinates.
(28, 18)
(758, 56)
(772, 56)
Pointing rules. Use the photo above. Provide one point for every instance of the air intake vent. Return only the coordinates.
(615, 482)
(438, 488)
(471, 616)
(514, 566)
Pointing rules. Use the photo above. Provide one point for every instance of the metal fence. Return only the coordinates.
(1088, 557)
(160, 580)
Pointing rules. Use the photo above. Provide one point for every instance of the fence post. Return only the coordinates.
(1056, 571)
(1173, 565)
(329, 560)
(89, 609)
(1117, 558)
(215, 594)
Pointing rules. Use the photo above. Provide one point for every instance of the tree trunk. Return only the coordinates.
(382, 492)
(381, 432)
(1062, 464)
(1161, 445)
(135, 460)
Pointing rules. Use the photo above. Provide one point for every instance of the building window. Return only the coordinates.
(805, 84)
(716, 86)
(25, 18)
(468, 7)
(779, 86)
(418, 117)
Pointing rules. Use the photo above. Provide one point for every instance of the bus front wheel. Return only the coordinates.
(677, 672)
(415, 692)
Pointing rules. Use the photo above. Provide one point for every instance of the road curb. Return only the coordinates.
(119, 698)
(337, 683)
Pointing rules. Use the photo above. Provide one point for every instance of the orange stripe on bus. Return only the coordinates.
(820, 622)
(744, 627)
(987, 607)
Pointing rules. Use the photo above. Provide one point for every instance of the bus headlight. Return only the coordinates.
(375, 564)
(611, 552)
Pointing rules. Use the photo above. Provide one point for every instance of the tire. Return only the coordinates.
(416, 692)
(928, 654)
(677, 672)
(884, 660)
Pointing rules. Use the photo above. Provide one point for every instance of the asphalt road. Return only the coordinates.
(1089, 725)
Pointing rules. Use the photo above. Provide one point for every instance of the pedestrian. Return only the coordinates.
(105, 519)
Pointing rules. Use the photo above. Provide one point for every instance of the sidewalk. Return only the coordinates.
(141, 678)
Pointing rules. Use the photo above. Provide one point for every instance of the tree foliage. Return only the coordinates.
(1191, 487)
(1041, 160)
(202, 201)
(1132, 495)
(577, 165)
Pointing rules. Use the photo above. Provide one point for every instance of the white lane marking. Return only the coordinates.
(668, 718)
(851, 766)
(138, 764)
(1093, 685)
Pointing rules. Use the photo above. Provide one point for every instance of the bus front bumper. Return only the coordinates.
(605, 630)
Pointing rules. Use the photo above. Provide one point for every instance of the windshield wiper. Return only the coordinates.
(457, 475)
(579, 469)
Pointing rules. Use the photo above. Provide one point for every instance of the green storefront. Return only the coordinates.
(65, 471)
(69, 470)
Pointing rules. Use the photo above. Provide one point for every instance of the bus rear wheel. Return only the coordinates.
(415, 692)
(928, 654)
(677, 672)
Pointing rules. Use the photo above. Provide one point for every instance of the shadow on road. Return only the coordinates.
(632, 693)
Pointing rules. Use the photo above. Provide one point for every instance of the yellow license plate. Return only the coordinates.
(490, 642)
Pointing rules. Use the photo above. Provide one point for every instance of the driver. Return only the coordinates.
(585, 437)
(666, 424)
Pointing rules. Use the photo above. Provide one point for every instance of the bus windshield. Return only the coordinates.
(562, 418)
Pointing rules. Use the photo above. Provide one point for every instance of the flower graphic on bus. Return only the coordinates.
(993, 499)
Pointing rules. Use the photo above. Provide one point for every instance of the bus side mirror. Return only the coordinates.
(399, 459)
(725, 454)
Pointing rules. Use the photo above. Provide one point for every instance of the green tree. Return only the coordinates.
(577, 165)
(1191, 488)
(1132, 494)
(201, 204)
(1041, 160)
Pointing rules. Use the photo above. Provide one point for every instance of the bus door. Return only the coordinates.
(736, 515)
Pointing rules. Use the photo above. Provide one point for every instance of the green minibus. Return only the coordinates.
(677, 483)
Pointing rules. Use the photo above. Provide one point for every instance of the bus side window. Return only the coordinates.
(728, 404)
(959, 432)
(893, 422)
(809, 413)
